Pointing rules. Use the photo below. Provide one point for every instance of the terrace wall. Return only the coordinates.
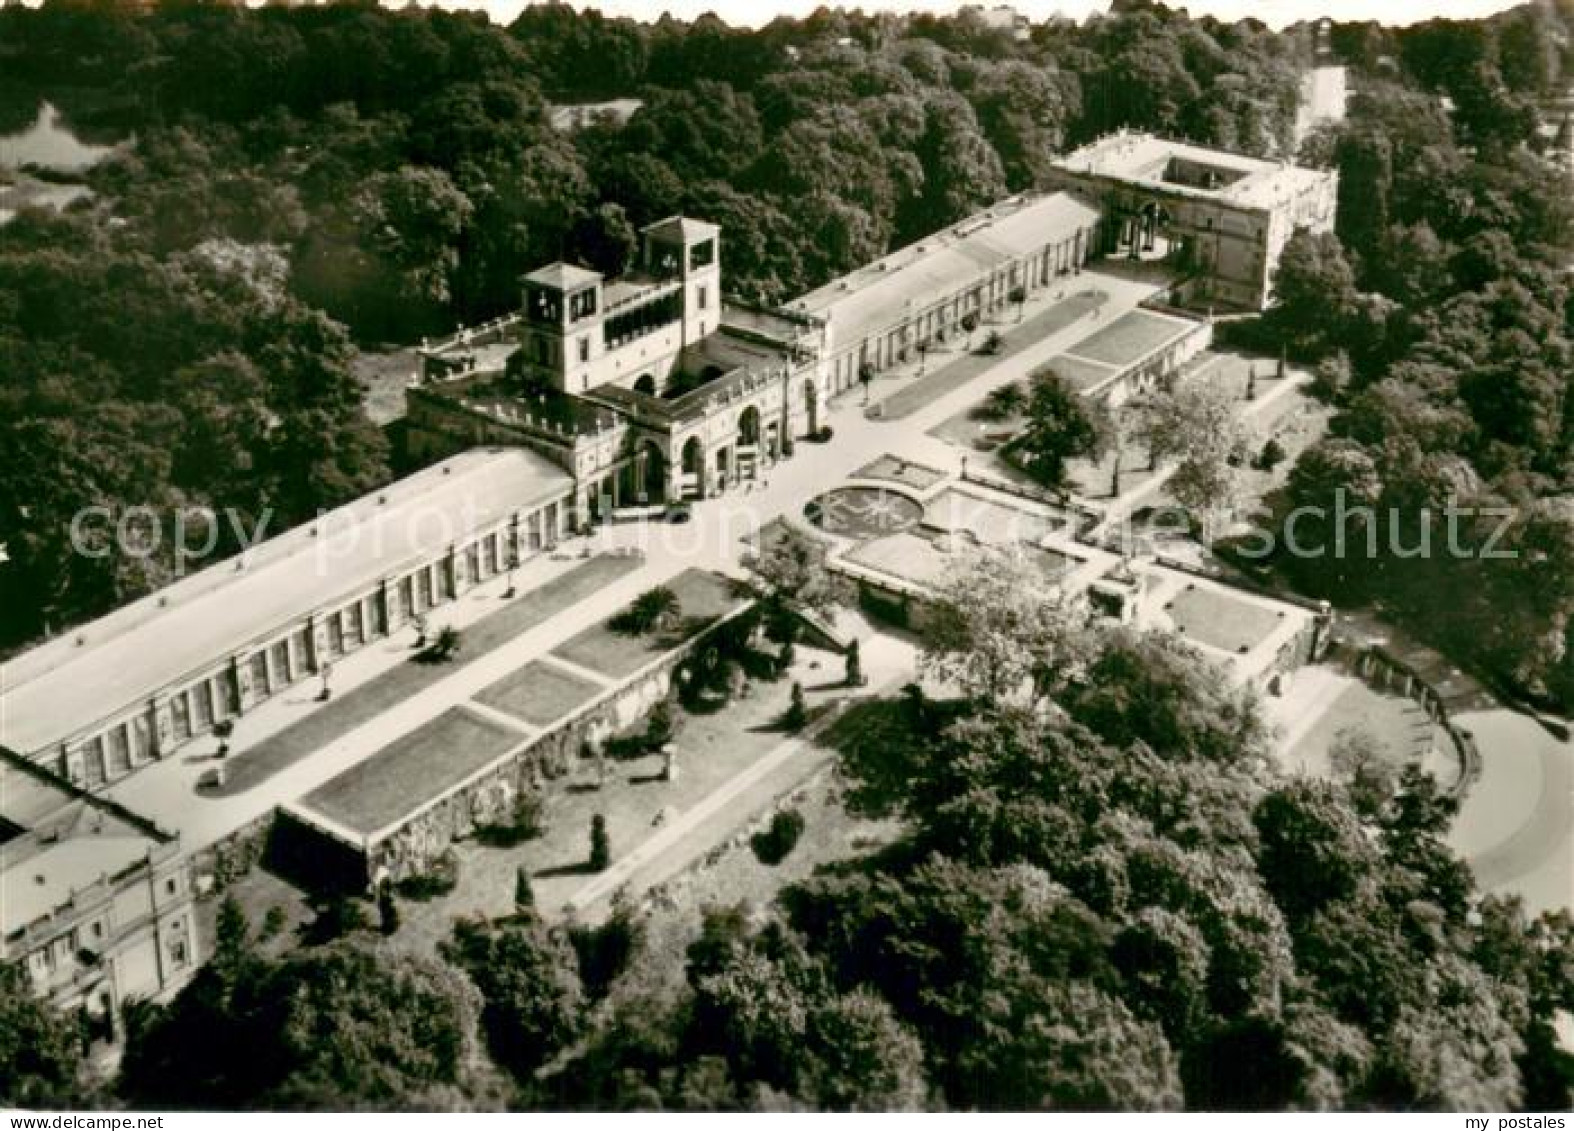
(410, 847)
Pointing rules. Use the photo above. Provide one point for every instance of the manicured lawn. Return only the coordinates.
(906, 557)
(411, 770)
(952, 375)
(702, 597)
(962, 430)
(1231, 624)
(898, 470)
(1052, 563)
(1402, 731)
(991, 521)
(1130, 337)
(346, 711)
(539, 693)
(1078, 372)
(712, 749)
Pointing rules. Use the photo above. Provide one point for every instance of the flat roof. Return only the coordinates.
(728, 351)
(36, 884)
(684, 228)
(887, 291)
(413, 770)
(563, 276)
(1131, 338)
(766, 323)
(49, 693)
(1143, 159)
(65, 842)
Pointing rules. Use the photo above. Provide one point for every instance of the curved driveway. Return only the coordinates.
(1516, 827)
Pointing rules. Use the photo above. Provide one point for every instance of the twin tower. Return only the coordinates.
(581, 331)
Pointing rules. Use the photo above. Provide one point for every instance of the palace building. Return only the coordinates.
(96, 704)
(1221, 219)
(651, 388)
(95, 903)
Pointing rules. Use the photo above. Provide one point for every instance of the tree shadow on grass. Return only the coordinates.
(880, 741)
(685, 630)
(833, 685)
(579, 868)
(504, 836)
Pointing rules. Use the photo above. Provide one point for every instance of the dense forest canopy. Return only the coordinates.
(1441, 318)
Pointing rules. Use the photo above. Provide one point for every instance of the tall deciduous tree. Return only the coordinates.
(1002, 631)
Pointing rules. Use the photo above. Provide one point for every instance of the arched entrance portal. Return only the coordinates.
(748, 446)
(1141, 231)
(693, 463)
(749, 426)
(653, 472)
(643, 480)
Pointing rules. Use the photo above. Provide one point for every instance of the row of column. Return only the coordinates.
(172, 718)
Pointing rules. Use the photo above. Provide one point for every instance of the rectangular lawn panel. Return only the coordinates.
(540, 693)
(989, 521)
(411, 770)
(1079, 373)
(905, 557)
(1229, 623)
(350, 709)
(951, 375)
(703, 598)
(1051, 563)
(1130, 337)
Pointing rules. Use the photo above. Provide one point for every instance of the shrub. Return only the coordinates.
(600, 844)
(340, 916)
(1006, 401)
(1271, 456)
(797, 711)
(387, 909)
(652, 610)
(773, 843)
(440, 878)
(659, 724)
(525, 820)
(605, 952)
(524, 892)
(273, 922)
(444, 646)
(824, 434)
(992, 343)
(854, 671)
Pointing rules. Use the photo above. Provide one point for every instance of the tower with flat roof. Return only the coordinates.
(581, 331)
